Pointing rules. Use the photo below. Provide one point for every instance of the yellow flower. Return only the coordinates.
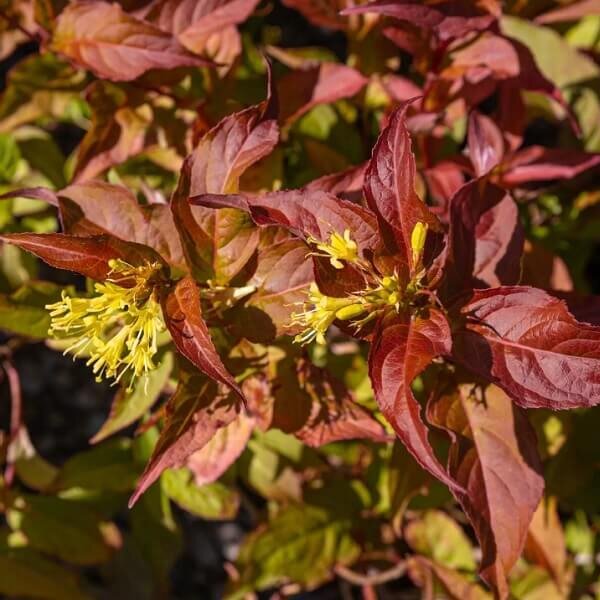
(417, 242)
(118, 327)
(339, 248)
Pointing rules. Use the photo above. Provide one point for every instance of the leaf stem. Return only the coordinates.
(362, 579)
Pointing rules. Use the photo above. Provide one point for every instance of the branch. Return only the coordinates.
(361, 579)
(16, 413)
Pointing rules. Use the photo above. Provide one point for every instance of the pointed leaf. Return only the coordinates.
(304, 213)
(301, 90)
(212, 501)
(537, 163)
(545, 545)
(128, 407)
(390, 189)
(401, 350)
(211, 461)
(96, 207)
(86, 255)
(282, 278)
(494, 457)
(485, 142)
(334, 415)
(194, 414)
(183, 316)
(528, 343)
(485, 240)
(115, 45)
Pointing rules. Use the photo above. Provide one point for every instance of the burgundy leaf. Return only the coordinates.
(347, 184)
(220, 243)
(485, 142)
(323, 13)
(485, 240)
(183, 317)
(86, 255)
(115, 45)
(233, 145)
(37, 193)
(334, 416)
(194, 22)
(194, 414)
(494, 458)
(448, 20)
(537, 163)
(303, 89)
(390, 188)
(304, 213)
(401, 350)
(282, 277)
(96, 207)
(528, 343)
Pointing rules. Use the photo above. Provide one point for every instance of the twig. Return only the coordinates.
(16, 413)
(361, 579)
(14, 23)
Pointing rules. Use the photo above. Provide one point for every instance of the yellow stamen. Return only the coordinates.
(118, 327)
(340, 248)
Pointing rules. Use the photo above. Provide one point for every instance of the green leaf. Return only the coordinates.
(557, 60)
(108, 466)
(436, 536)
(129, 407)
(25, 573)
(9, 157)
(301, 544)
(156, 535)
(23, 312)
(211, 501)
(62, 528)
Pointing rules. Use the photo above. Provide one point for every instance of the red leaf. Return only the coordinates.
(194, 22)
(304, 213)
(537, 163)
(334, 416)
(401, 350)
(114, 45)
(390, 188)
(485, 240)
(38, 193)
(220, 243)
(321, 13)
(86, 255)
(301, 90)
(96, 207)
(183, 317)
(233, 145)
(486, 144)
(347, 184)
(282, 277)
(528, 343)
(494, 458)
(213, 459)
(194, 414)
(448, 20)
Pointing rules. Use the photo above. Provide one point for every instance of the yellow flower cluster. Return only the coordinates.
(339, 248)
(320, 311)
(118, 327)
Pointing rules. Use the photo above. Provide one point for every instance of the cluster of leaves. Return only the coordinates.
(454, 151)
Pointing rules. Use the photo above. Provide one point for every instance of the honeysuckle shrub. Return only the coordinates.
(348, 287)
